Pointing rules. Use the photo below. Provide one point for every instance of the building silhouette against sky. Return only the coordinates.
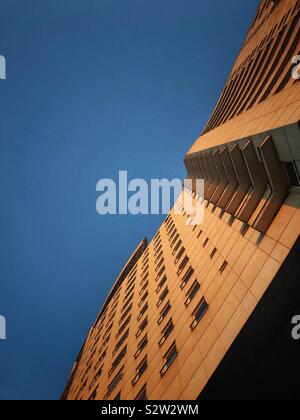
(205, 311)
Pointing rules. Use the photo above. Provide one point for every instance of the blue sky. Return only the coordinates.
(93, 87)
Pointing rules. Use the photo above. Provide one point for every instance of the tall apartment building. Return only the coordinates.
(206, 311)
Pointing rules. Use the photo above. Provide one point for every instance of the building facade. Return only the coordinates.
(205, 311)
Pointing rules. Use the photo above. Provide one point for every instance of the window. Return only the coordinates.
(140, 371)
(163, 296)
(173, 234)
(128, 294)
(142, 327)
(127, 303)
(179, 255)
(143, 299)
(93, 396)
(111, 316)
(199, 313)
(125, 314)
(96, 377)
(101, 358)
(118, 397)
(164, 313)
(141, 346)
(223, 267)
(160, 273)
(161, 283)
(114, 383)
(117, 361)
(205, 242)
(175, 240)
(199, 234)
(187, 277)
(179, 243)
(158, 253)
(166, 332)
(213, 253)
(182, 265)
(144, 288)
(146, 268)
(142, 395)
(108, 330)
(104, 343)
(292, 173)
(158, 257)
(121, 341)
(130, 283)
(159, 264)
(145, 277)
(143, 311)
(81, 390)
(192, 293)
(122, 328)
(169, 358)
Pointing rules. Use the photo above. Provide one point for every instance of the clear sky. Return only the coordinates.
(93, 87)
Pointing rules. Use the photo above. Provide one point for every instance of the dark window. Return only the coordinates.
(140, 371)
(161, 272)
(292, 173)
(205, 242)
(164, 313)
(93, 396)
(141, 346)
(187, 277)
(143, 311)
(159, 264)
(125, 314)
(142, 395)
(129, 295)
(179, 255)
(161, 283)
(199, 234)
(101, 358)
(144, 288)
(143, 299)
(163, 296)
(177, 247)
(223, 267)
(118, 397)
(122, 328)
(192, 292)
(166, 332)
(169, 358)
(117, 361)
(145, 277)
(213, 253)
(142, 327)
(175, 240)
(182, 265)
(114, 383)
(121, 341)
(199, 313)
(96, 377)
(127, 303)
